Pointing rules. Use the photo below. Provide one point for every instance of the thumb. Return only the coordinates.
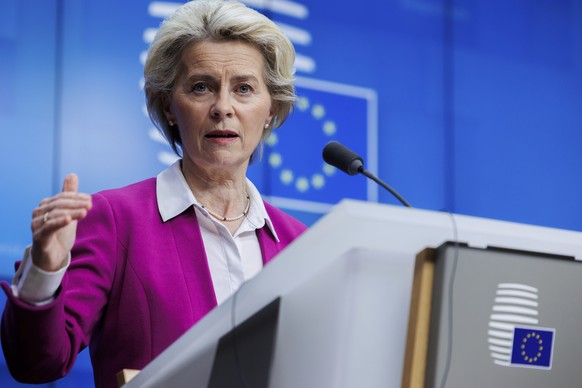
(71, 183)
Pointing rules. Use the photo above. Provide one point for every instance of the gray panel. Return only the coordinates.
(471, 279)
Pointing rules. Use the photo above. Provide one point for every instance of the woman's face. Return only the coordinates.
(221, 104)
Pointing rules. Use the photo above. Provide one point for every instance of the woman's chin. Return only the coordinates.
(223, 160)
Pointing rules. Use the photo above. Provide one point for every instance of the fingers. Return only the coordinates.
(61, 209)
(47, 224)
(54, 224)
(65, 200)
(71, 183)
(57, 215)
(59, 212)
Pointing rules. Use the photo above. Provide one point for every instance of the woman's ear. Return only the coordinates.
(167, 109)
(270, 116)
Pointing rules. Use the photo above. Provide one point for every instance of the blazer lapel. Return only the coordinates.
(269, 246)
(192, 257)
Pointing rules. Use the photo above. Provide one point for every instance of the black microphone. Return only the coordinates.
(348, 161)
(343, 158)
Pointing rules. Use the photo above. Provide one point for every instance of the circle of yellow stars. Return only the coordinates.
(287, 176)
(535, 338)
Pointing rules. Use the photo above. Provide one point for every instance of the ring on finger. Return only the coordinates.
(45, 217)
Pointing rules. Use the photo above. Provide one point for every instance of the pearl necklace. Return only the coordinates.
(223, 218)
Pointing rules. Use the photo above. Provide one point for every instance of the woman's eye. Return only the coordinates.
(244, 89)
(200, 87)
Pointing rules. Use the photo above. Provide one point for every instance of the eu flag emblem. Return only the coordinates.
(532, 347)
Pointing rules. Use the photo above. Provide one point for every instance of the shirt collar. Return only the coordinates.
(174, 196)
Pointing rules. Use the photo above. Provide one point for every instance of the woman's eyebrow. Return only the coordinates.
(245, 77)
(200, 77)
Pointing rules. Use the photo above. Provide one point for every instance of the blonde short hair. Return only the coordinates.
(217, 20)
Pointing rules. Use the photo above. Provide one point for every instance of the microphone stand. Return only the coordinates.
(373, 177)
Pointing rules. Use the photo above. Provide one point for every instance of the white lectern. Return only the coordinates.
(344, 289)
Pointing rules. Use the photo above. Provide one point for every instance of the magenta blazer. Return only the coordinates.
(135, 284)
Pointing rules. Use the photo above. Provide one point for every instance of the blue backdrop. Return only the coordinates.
(469, 106)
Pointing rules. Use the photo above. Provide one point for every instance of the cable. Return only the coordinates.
(451, 284)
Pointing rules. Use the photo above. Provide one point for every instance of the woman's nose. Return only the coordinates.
(222, 106)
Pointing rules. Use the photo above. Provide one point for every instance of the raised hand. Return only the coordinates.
(54, 225)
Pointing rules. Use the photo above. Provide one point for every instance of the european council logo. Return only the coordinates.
(514, 337)
(532, 347)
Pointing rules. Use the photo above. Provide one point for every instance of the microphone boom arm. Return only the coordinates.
(341, 157)
(373, 177)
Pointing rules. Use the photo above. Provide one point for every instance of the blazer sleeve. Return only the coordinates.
(41, 343)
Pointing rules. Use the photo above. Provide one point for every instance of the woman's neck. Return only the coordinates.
(217, 190)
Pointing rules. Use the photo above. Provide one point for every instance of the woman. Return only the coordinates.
(147, 261)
